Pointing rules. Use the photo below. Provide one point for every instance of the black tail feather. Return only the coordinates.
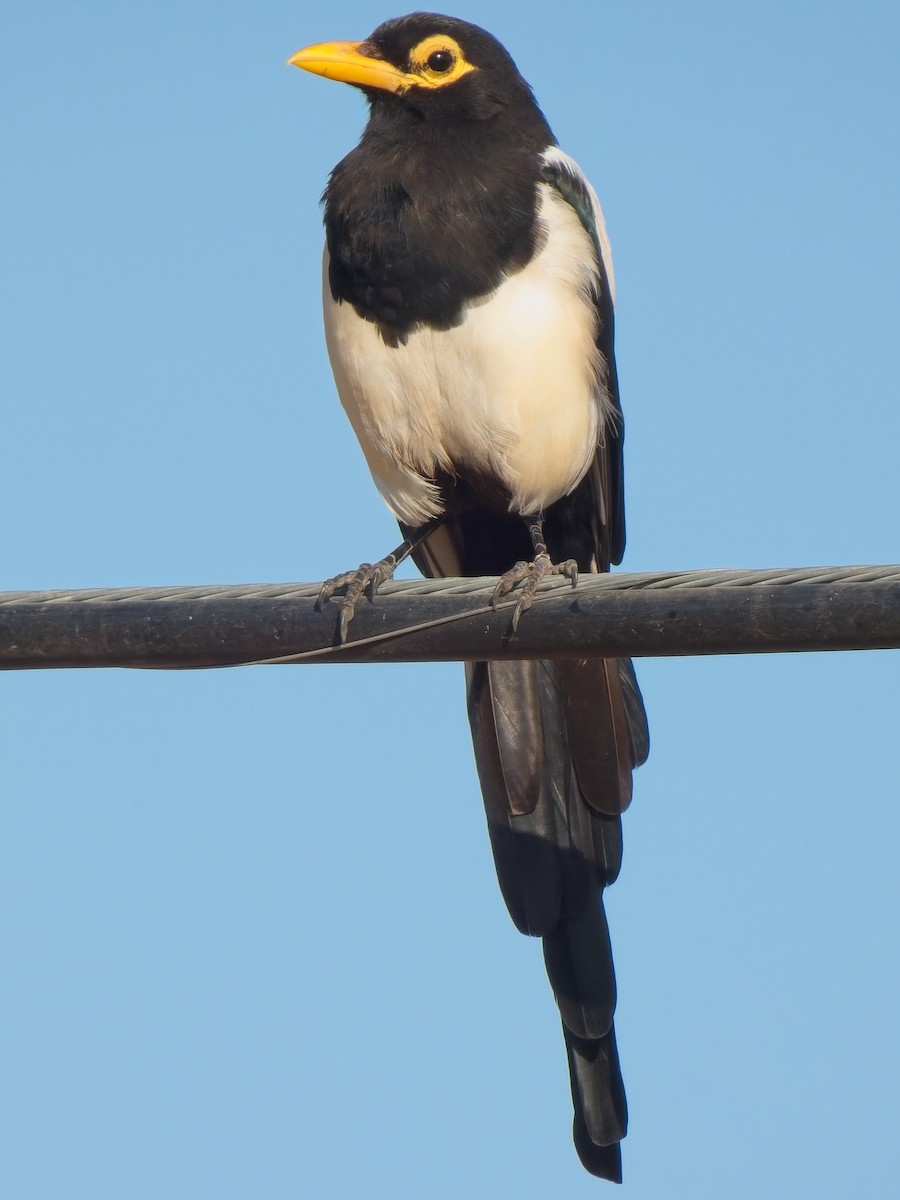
(555, 745)
(579, 962)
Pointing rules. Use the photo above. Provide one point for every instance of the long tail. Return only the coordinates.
(556, 744)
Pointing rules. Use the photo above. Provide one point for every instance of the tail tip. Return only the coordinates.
(605, 1162)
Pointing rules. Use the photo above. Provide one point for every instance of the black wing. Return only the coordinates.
(598, 503)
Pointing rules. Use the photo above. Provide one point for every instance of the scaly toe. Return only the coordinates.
(510, 580)
(530, 575)
(381, 573)
(569, 568)
(366, 579)
(330, 586)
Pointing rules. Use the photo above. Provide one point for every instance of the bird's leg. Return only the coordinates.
(368, 577)
(530, 574)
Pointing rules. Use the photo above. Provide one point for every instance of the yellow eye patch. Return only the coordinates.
(438, 60)
(434, 62)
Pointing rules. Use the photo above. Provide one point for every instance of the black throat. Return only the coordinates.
(427, 214)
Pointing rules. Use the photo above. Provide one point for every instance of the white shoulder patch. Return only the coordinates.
(559, 162)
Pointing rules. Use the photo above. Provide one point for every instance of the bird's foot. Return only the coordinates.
(368, 578)
(365, 580)
(529, 575)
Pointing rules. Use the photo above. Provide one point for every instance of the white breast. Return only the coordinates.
(517, 390)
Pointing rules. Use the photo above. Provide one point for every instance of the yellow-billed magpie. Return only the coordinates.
(468, 293)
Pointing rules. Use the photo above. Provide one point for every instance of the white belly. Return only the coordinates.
(517, 390)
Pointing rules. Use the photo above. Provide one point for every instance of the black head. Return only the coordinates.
(437, 66)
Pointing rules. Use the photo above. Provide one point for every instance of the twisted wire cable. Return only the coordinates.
(649, 613)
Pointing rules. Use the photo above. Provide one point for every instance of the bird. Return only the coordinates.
(468, 307)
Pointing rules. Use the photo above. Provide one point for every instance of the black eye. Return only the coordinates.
(440, 61)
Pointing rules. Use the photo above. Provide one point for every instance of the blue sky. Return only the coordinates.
(252, 939)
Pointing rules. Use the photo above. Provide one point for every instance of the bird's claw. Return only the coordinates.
(530, 575)
(365, 580)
